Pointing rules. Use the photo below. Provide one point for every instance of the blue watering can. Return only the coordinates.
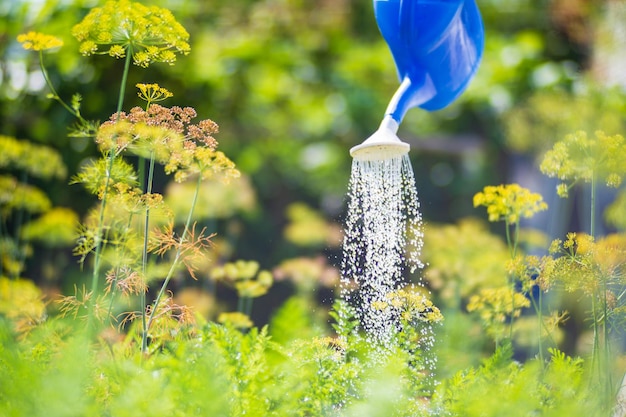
(437, 46)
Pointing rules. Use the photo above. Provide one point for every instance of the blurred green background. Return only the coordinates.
(294, 84)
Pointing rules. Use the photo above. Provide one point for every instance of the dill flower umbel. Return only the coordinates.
(236, 319)
(149, 33)
(462, 258)
(509, 203)
(413, 305)
(36, 41)
(21, 302)
(168, 135)
(151, 93)
(614, 213)
(587, 265)
(532, 271)
(55, 228)
(37, 160)
(245, 277)
(580, 158)
(494, 305)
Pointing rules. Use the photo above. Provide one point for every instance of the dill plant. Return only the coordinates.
(28, 206)
(249, 281)
(586, 262)
(128, 28)
(186, 150)
(131, 222)
(509, 203)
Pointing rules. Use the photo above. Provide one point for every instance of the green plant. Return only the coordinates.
(502, 386)
(164, 358)
(27, 214)
(580, 158)
(113, 232)
(509, 203)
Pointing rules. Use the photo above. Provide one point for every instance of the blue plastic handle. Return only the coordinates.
(437, 46)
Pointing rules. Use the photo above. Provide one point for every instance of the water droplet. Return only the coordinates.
(383, 239)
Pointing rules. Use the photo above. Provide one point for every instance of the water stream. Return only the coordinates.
(383, 240)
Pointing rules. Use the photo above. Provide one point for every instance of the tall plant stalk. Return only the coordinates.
(173, 266)
(144, 260)
(107, 180)
(601, 350)
(512, 242)
(55, 95)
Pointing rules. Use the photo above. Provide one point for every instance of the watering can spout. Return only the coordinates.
(436, 45)
(411, 93)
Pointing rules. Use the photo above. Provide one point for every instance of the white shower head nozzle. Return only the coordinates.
(383, 144)
(379, 151)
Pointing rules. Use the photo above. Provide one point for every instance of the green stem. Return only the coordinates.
(55, 95)
(595, 360)
(176, 258)
(541, 323)
(592, 219)
(144, 261)
(120, 101)
(537, 305)
(512, 244)
(117, 272)
(512, 241)
(508, 238)
(20, 252)
(142, 172)
(100, 230)
(599, 355)
(607, 377)
(244, 305)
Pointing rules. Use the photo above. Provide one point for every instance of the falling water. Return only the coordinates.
(383, 239)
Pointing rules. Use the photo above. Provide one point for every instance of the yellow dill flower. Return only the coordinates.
(185, 149)
(235, 319)
(245, 277)
(578, 157)
(265, 278)
(494, 305)
(153, 93)
(22, 303)
(462, 258)
(614, 213)
(235, 271)
(308, 227)
(509, 202)
(38, 160)
(307, 273)
(413, 305)
(36, 41)
(379, 305)
(610, 255)
(206, 162)
(93, 176)
(532, 271)
(116, 51)
(251, 288)
(587, 265)
(149, 33)
(55, 228)
(15, 195)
